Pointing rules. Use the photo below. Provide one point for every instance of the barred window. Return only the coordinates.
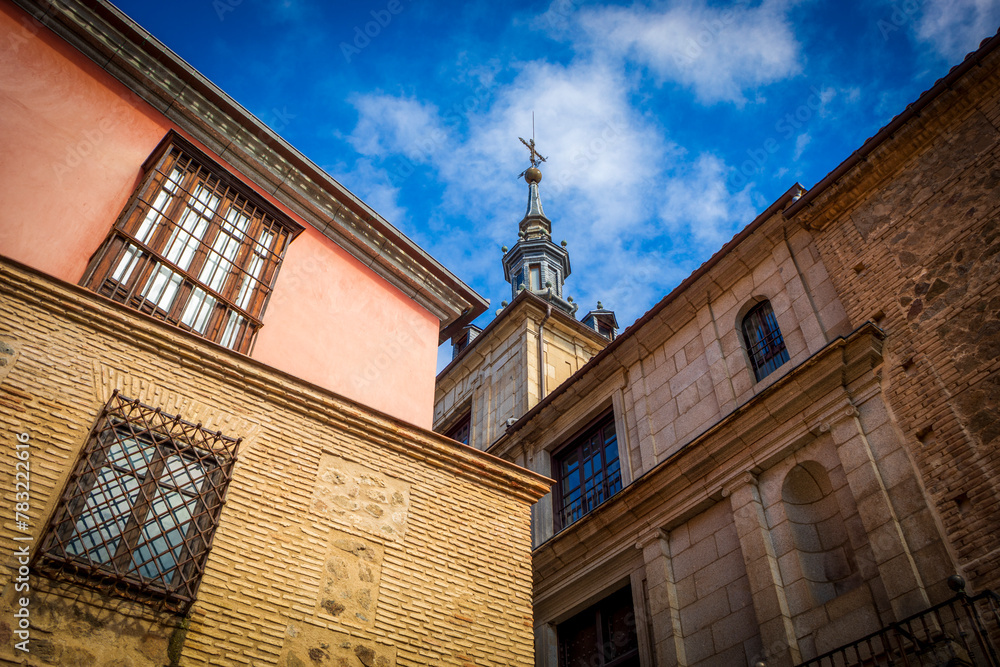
(765, 345)
(140, 509)
(589, 472)
(194, 247)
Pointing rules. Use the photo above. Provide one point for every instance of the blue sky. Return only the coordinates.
(667, 125)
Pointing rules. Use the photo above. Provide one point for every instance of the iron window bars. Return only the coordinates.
(589, 471)
(140, 509)
(194, 247)
(765, 345)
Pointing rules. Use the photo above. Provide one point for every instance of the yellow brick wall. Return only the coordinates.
(347, 538)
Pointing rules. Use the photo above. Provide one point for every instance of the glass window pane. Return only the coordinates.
(162, 286)
(129, 453)
(99, 526)
(182, 473)
(127, 263)
(159, 548)
(198, 311)
(589, 471)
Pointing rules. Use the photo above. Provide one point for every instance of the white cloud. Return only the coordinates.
(721, 53)
(801, 142)
(955, 27)
(632, 206)
(388, 124)
(698, 205)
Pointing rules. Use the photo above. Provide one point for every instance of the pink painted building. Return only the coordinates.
(125, 171)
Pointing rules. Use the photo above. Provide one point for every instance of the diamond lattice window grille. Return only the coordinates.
(140, 509)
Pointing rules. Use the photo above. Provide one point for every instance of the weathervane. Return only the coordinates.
(536, 157)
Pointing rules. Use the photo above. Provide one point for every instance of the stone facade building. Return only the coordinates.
(216, 383)
(797, 446)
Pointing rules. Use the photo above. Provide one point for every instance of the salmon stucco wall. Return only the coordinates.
(330, 321)
(74, 140)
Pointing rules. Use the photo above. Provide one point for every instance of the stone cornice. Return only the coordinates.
(164, 81)
(283, 391)
(526, 305)
(750, 439)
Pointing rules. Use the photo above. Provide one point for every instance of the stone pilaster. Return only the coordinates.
(893, 559)
(667, 641)
(777, 633)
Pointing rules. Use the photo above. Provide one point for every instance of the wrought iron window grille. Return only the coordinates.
(764, 342)
(140, 509)
(589, 471)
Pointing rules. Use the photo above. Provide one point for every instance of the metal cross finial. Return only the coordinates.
(536, 157)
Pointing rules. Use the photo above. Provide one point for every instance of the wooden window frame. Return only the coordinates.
(609, 486)
(463, 422)
(607, 645)
(195, 247)
(534, 270)
(149, 542)
(762, 338)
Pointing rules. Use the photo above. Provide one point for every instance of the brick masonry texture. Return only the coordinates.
(347, 538)
(920, 254)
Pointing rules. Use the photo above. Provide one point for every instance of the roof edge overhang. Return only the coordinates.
(162, 79)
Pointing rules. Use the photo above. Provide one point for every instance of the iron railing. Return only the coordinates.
(960, 632)
(590, 500)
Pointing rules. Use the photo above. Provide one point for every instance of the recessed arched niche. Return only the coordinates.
(818, 532)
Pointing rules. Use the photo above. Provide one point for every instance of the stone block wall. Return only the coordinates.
(714, 603)
(499, 378)
(694, 369)
(347, 538)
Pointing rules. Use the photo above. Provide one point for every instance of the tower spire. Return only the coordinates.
(535, 263)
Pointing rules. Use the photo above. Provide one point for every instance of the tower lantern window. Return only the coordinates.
(535, 273)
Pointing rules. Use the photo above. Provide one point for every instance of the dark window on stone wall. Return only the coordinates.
(602, 636)
(588, 470)
(763, 340)
(460, 431)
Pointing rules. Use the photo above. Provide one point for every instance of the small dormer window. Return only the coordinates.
(461, 343)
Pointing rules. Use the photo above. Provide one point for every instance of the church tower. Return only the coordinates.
(535, 263)
(535, 343)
